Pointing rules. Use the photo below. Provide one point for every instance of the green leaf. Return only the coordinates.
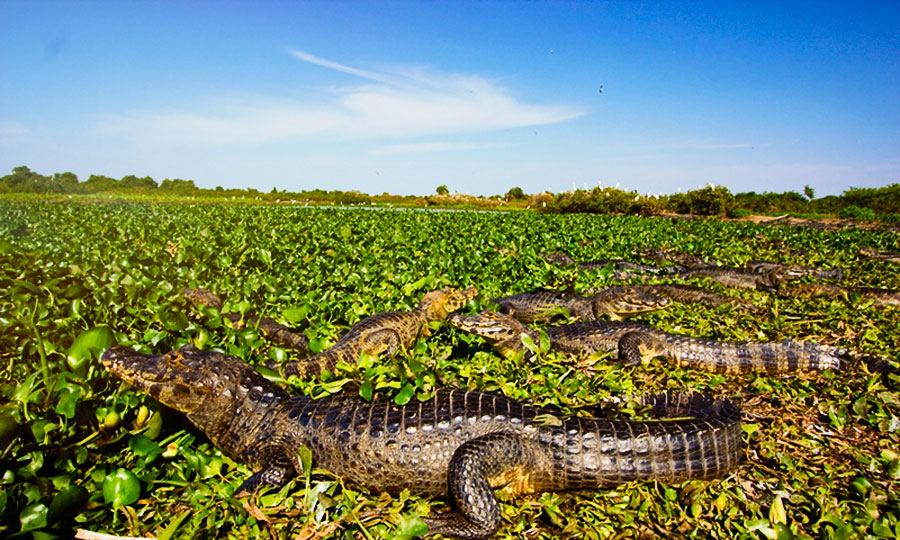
(154, 426)
(86, 346)
(405, 394)
(278, 355)
(142, 445)
(410, 527)
(365, 390)
(169, 532)
(121, 488)
(33, 516)
(174, 320)
(295, 315)
(68, 397)
(68, 502)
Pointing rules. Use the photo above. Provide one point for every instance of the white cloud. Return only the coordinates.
(407, 102)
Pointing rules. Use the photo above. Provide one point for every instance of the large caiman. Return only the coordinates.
(458, 445)
(635, 343)
(384, 333)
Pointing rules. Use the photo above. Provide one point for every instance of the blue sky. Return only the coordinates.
(483, 96)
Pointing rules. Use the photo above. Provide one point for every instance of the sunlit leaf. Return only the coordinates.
(88, 346)
(121, 488)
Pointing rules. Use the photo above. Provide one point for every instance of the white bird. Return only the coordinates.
(601, 88)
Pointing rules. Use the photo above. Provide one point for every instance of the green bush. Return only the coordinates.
(855, 212)
(709, 201)
(738, 213)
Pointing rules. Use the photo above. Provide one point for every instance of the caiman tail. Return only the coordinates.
(731, 357)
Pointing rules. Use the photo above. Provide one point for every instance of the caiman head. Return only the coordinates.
(500, 330)
(439, 304)
(622, 301)
(188, 380)
(202, 297)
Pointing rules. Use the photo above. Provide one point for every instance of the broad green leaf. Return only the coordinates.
(86, 346)
(142, 445)
(295, 315)
(405, 394)
(68, 502)
(33, 516)
(365, 390)
(68, 397)
(121, 488)
(411, 527)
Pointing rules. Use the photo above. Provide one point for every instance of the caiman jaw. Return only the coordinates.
(487, 324)
(447, 300)
(171, 379)
(627, 300)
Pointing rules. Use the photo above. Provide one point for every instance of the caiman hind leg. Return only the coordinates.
(478, 466)
(636, 346)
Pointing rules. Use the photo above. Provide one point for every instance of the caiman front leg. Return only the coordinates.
(385, 341)
(276, 470)
(477, 467)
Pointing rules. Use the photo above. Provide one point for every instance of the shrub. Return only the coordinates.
(738, 213)
(855, 212)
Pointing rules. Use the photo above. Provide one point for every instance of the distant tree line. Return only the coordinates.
(861, 203)
(24, 180)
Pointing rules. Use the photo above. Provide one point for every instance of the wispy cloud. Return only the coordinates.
(312, 59)
(436, 146)
(405, 102)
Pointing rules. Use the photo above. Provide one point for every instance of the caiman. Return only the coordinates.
(279, 334)
(886, 256)
(760, 277)
(879, 297)
(688, 294)
(623, 269)
(458, 445)
(612, 302)
(384, 333)
(634, 344)
(756, 274)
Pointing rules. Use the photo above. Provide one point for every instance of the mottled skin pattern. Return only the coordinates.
(384, 333)
(458, 444)
(756, 274)
(790, 272)
(612, 302)
(623, 268)
(879, 297)
(635, 343)
(736, 277)
(677, 292)
(886, 256)
(276, 333)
